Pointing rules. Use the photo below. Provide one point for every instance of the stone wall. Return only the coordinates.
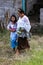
(9, 7)
(17, 4)
(13, 5)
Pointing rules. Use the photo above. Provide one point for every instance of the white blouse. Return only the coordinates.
(12, 34)
(24, 22)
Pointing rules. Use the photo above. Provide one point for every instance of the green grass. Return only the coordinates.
(34, 56)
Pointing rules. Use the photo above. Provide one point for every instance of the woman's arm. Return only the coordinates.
(27, 24)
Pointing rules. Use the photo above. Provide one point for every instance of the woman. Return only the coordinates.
(23, 28)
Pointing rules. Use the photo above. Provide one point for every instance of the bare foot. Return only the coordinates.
(17, 52)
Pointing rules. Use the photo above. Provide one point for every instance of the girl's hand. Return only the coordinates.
(12, 30)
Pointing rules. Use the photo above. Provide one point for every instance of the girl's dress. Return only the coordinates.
(24, 24)
(13, 35)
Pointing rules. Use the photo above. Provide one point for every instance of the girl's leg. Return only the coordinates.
(13, 44)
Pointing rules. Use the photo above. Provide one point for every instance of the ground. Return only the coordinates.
(34, 56)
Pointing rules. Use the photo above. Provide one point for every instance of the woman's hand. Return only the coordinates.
(23, 30)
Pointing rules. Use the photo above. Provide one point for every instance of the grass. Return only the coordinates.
(34, 56)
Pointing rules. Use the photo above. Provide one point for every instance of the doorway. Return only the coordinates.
(35, 12)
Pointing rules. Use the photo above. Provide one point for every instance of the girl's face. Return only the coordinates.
(12, 19)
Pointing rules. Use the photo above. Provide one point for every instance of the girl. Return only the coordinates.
(23, 28)
(12, 26)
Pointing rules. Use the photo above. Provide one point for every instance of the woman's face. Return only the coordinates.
(13, 19)
(19, 14)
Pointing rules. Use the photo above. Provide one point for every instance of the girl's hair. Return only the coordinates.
(20, 11)
(14, 17)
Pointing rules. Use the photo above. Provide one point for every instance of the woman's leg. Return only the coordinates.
(26, 43)
(23, 43)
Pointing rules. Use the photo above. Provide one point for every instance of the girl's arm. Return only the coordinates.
(10, 29)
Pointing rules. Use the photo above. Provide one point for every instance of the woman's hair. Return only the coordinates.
(14, 17)
(20, 11)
